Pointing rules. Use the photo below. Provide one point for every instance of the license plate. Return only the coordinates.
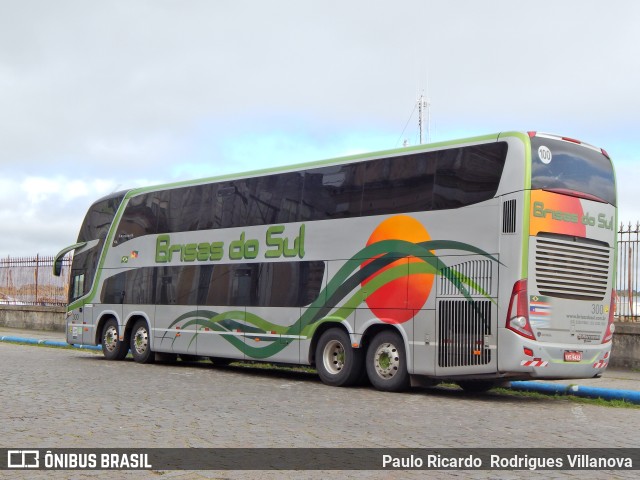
(572, 356)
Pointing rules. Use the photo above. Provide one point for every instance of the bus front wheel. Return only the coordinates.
(141, 343)
(387, 362)
(112, 347)
(338, 364)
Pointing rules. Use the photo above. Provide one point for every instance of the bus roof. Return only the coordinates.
(329, 162)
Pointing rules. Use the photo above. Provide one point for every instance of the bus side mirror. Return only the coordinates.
(57, 267)
(57, 261)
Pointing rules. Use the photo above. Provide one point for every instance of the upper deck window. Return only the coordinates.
(410, 182)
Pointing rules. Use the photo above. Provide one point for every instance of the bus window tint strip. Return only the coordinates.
(443, 179)
(287, 284)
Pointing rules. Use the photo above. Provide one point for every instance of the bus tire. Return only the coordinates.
(112, 347)
(387, 362)
(338, 364)
(141, 342)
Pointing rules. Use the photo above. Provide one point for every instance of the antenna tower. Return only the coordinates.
(424, 104)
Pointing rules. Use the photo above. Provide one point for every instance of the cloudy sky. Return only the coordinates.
(101, 96)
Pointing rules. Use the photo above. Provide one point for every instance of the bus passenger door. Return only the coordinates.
(88, 324)
(82, 329)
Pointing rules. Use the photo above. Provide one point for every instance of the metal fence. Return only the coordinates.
(628, 279)
(30, 281)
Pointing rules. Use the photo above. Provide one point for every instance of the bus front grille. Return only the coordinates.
(572, 267)
(463, 328)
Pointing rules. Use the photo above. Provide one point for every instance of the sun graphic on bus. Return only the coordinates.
(397, 300)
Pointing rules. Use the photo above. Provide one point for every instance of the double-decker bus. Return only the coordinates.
(475, 261)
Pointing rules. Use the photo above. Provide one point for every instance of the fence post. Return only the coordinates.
(629, 276)
(36, 274)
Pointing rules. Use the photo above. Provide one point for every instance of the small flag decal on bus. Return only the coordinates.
(540, 311)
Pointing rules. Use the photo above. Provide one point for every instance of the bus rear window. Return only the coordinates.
(565, 166)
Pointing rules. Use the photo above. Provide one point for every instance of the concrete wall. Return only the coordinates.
(626, 345)
(626, 339)
(33, 317)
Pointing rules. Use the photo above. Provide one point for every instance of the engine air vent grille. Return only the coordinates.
(572, 268)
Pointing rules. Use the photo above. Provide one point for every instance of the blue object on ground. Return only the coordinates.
(49, 343)
(579, 391)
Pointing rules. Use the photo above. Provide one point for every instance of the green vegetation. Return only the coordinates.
(567, 398)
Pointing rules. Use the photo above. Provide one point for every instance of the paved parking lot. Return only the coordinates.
(55, 398)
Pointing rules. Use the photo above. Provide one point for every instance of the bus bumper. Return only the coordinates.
(521, 357)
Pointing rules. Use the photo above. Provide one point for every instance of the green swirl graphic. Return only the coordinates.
(342, 295)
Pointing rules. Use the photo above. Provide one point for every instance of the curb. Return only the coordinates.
(48, 343)
(631, 396)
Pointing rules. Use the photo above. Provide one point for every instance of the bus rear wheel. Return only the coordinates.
(387, 362)
(337, 362)
(112, 347)
(141, 343)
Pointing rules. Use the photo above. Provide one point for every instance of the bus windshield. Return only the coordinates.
(566, 167)
(95, 227)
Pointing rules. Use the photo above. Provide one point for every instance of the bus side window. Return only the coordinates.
(77, 286)
(399, 184)
(333, 192)
(468, 175)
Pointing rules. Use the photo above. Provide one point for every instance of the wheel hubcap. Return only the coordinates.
(141, 340)
(110, 339)
(333, 357)
(386, 360)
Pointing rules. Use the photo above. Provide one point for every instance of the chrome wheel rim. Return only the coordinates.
(386, 361)
(141, 340)
(110, 338)
(333, 357)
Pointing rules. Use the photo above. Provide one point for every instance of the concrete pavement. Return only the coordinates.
(615, 384)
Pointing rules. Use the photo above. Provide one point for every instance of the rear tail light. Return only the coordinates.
(608, 333)
(518, 313)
